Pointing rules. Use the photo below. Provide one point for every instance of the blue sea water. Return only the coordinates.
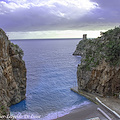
(51, 72)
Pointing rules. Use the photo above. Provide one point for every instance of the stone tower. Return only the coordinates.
(84, 36)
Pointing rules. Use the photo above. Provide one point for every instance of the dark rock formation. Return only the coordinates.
(12, 74)
(80, 49)
(103, 79)
(99, 71)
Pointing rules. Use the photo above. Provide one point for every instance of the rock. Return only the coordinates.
(12, 74)
(104, 81)
(99, 71)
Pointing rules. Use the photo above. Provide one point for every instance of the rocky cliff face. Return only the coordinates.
(12, 74)
(103, 80)
(99, 71)
(80, 48)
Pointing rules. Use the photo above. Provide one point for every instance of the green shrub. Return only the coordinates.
(106, 47)
(17, 49)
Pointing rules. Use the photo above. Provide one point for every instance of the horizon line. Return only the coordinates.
(47, 38)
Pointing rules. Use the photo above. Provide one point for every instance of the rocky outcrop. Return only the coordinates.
(99, 71)
(103, 80)
(80, 48)
(12, 74)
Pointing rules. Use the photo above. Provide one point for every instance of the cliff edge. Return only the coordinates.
(99, 71)
(12, 74)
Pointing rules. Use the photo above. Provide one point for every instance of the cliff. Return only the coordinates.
(99, 71)
(12, 74)
(80, 49)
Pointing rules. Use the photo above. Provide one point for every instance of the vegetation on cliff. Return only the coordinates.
(17, 50)
(12, 74)
(106, 47)
(99, 69)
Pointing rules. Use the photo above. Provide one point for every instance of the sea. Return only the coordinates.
(51, 72)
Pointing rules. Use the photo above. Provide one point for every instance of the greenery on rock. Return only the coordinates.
(3, 109)
(17, 49)
(106, 47)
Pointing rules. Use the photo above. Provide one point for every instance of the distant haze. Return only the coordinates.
(57, 18)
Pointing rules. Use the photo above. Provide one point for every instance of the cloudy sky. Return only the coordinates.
(58, 18)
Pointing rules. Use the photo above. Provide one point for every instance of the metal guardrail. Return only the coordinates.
(115, 113)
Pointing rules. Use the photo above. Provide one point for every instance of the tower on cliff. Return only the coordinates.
(84, 36)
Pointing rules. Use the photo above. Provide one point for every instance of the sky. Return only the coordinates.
(29, 19)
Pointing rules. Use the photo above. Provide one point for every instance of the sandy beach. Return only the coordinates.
(91, 110)
(83, 113)
(87, 112)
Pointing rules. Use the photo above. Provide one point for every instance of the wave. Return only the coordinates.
(53, 115)
(65, 111)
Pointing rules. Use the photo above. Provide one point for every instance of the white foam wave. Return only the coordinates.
(55, 115)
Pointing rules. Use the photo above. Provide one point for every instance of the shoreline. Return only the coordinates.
(110, 103)
(83, 113)
(105, 111)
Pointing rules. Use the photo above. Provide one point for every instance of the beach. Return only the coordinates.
(83, 113)
(90, 111)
